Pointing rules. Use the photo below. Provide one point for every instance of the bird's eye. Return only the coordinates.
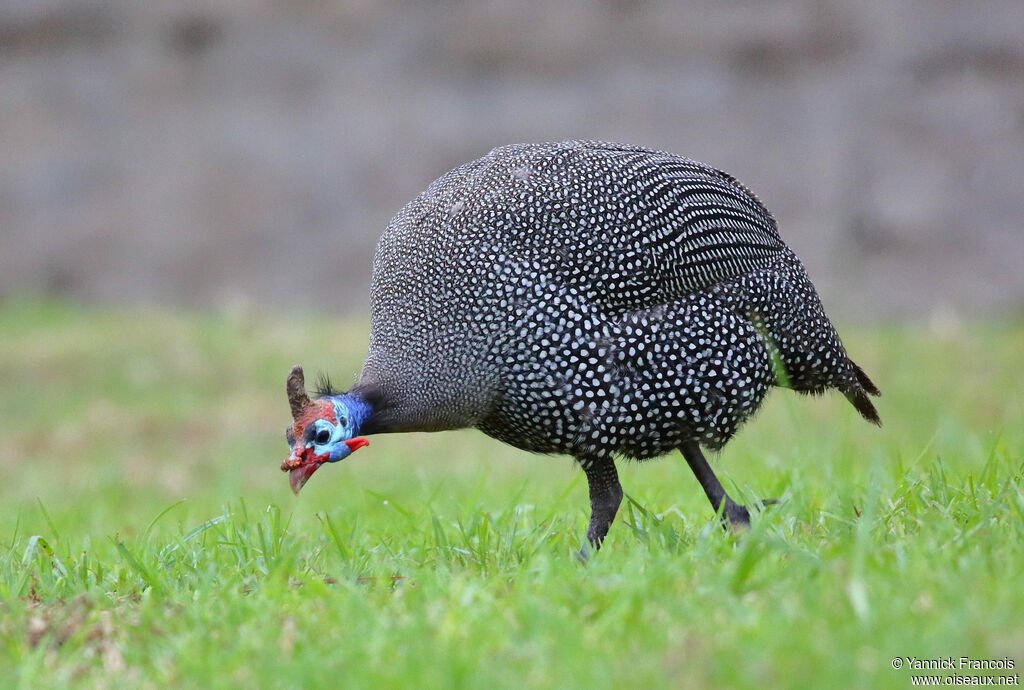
(342, 421)
(322, 437)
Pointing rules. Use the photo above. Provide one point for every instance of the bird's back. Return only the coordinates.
(579, 293)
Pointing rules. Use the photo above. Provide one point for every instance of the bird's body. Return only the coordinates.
(584, 297)
(592, 299)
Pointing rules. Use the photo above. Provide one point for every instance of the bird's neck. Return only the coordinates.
(360, 412)
(377, 413)
(402, 405)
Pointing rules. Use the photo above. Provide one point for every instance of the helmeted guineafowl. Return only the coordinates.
(586, 298)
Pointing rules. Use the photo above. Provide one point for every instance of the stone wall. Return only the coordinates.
(249, 153)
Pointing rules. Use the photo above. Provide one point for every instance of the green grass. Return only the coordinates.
(148, 538)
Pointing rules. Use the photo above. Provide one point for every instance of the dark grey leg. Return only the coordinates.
(736, 514)
(605, 497)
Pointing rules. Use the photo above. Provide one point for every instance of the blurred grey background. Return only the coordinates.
(248, 153)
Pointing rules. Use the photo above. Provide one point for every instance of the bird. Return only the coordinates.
(583, 298)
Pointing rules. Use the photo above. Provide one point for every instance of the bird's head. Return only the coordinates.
(324, 429)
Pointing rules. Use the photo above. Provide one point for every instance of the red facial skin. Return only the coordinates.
(302, 462)
(319, 409)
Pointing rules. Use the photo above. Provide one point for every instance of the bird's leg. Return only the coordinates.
(736, 514)
(605, 497)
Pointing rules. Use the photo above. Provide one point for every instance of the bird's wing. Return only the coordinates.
(626, 227)
(673, 226)
(709, 228)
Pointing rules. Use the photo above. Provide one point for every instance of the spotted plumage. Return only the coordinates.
(592, 299)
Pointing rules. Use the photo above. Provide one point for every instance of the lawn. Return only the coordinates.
(148, 538)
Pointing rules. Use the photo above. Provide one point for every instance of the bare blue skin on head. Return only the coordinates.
(327, 431)
(329, 438)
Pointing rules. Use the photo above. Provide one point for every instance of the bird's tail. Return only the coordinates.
(858, 393)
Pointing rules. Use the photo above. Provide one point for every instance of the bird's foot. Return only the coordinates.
(588, 549)
(737, 518)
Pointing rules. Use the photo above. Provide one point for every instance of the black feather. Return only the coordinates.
(859, 399)
(323, 387)
(864, 381)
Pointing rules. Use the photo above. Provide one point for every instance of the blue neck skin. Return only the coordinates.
(359, 409)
